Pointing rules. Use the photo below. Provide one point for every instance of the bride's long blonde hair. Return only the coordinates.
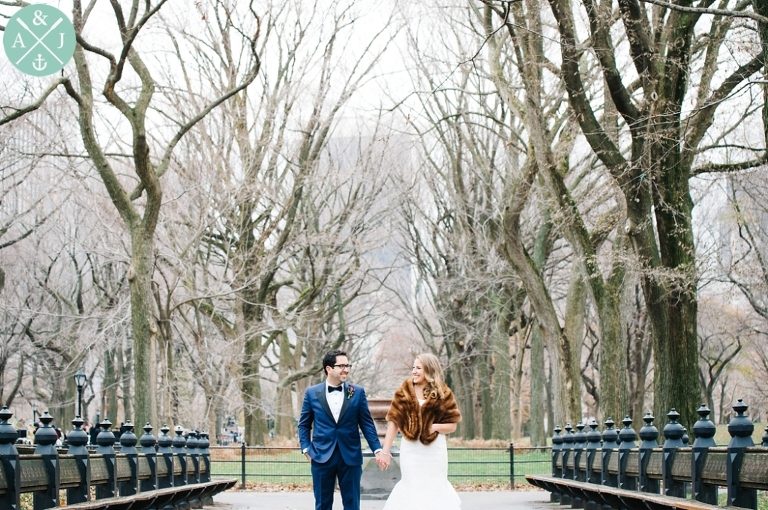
(433, 373)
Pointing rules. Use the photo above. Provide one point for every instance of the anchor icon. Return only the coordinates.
(39, 63)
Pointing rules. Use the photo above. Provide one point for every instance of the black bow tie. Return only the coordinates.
(334, 388)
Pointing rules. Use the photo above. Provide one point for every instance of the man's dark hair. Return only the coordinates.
(330, 359)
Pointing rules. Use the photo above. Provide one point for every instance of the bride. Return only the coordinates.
(424, 410)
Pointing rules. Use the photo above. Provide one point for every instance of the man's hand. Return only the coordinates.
(309, 459)
(383, 459)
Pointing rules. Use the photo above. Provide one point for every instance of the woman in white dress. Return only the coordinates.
(424, 410)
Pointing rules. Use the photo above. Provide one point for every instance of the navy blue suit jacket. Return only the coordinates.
(319, 433)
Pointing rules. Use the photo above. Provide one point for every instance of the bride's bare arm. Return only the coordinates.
(443, 428)
(389, 438)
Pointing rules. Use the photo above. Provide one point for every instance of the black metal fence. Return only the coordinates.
(466, 465)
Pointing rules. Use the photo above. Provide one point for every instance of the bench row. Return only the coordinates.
(612, 459)
(179, 467)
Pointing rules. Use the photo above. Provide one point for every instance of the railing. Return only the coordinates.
(466, 465)
(167, 471)
(609, 468)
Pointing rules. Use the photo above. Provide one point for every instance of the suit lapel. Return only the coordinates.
(322, 397)
(345, 402)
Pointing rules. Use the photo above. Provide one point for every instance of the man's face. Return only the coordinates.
(337, 374)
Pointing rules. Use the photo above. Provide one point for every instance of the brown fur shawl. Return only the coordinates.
(414, 421)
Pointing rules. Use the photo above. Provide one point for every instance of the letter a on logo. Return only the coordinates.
(18, 42)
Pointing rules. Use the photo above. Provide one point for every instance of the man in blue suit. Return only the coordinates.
(332, 414)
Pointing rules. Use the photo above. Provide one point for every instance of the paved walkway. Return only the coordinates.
(247, 500)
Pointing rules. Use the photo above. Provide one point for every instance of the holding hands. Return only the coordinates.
(383, 459)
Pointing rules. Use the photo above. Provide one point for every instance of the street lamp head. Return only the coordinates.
(80, 379)
(34, 406)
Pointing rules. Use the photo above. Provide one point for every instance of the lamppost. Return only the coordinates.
(34, 412)
(80, 383)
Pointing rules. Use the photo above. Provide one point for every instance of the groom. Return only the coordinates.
(336, 410)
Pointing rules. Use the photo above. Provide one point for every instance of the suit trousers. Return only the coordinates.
(324, 477)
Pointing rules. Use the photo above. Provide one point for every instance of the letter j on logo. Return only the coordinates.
(39, 40)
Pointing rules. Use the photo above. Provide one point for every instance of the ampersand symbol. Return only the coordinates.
(39, 19)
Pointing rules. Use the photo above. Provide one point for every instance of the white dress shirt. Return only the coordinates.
(335, 400)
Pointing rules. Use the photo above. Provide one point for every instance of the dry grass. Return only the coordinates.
(480, 443)
(274, 487)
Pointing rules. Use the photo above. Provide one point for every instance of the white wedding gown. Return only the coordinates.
(424, 483)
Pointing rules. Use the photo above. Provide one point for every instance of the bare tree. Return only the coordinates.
(138, 200)
(721, 332)
(653, 171)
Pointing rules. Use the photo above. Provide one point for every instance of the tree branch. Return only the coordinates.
(712, 168)
(701, 10)
(703, 118)
(34, 106)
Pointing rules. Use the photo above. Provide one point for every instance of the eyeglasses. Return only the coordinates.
(343, 367)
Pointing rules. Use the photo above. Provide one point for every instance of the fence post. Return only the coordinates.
(704, 430)
(128, 442)
(180, 452)
(627, 436)
(567, 453)
(594, 439)
(740, 428)
(242, 464)
(673, 433)
(193, 455)
(579, 445)
(148, 443)
(512, 466)
(106, 440)
(557, 446)
(9, 456)
(610, 435)
(45, 438)
(77, 440)
(205, 458)
(205, 465)
(648, 433)
(164, 443)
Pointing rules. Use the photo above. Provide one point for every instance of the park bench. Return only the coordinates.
(168, 473)
(593, 469)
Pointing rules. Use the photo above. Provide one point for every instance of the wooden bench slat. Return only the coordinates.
(157, 498)
(630, 499)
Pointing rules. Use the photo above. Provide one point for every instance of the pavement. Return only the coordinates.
(500, 500)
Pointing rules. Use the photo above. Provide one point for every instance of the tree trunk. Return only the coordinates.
(253, 410)
(519, 343)
(128, 390)
(538, 396)
(613, 354)
(109, 399)
(676, 374)
(462, 386)
(485, 377)
(558, 344)
(575, 313)
(284, 407)
(144, 326)
(63, 401)
(640, 348)
(501, 376)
